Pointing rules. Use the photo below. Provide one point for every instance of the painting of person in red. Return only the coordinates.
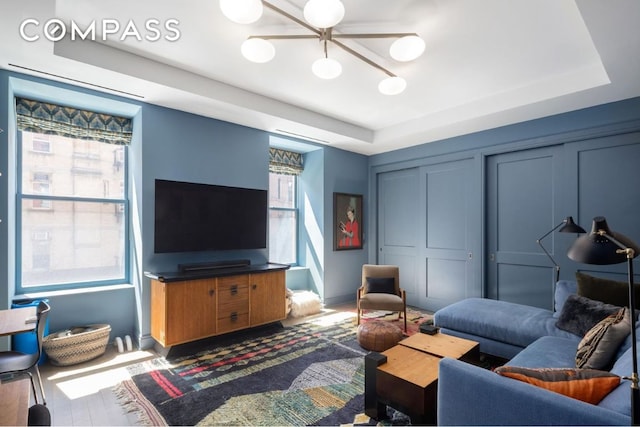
(350, 236)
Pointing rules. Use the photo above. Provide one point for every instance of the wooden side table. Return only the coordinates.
(14, 402)
(405, 376)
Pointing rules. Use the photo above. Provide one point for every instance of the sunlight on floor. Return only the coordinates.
(332, 319)
(89, 378)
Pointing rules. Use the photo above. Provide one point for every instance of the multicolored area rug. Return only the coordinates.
(308, 374)
(414, 319)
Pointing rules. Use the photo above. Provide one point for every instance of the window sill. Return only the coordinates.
(78, 291)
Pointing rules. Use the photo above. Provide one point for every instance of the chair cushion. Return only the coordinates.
(385, 285)
(381, 301)
(580, 314)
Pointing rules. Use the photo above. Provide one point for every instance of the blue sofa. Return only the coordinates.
(527, 337)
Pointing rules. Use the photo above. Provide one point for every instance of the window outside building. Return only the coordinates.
(71, 212)
(283, 218)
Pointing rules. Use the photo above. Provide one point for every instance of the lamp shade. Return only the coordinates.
(600, 246)
(407, 48)
(258, 50)
(571, 227)
(392, 85)
(323, 13)
(242, 11)
(326, 68)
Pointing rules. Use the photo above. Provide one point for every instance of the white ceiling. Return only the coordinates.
(487, 63)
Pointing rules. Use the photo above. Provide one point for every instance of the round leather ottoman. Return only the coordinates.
(378, 335)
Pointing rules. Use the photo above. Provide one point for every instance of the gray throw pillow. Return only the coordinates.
(600, 344)
(579, 314)
(384, 285)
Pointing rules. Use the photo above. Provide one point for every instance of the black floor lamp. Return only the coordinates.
(566, 226)
(603, 246)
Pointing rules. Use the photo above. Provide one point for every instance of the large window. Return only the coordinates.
(284, 168)
(71, 209)
(283, 218)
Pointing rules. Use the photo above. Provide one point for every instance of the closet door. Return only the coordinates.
(446, 252)
(523, 203)
(425, 220)
(399, 226)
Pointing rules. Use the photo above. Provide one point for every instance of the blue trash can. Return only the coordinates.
(27, 342)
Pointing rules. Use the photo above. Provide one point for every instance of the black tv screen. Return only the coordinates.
(193, 217)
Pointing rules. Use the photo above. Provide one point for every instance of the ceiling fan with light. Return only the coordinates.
(321, 17)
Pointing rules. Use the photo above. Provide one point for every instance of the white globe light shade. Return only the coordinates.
(258, 50)
(392, 85)
(242, 11)
(407, 48)
(326, 68)
(323, 13)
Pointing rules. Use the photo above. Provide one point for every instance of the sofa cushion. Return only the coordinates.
(548, 352)
(619, 399)
(502, 321)
(563, 289)
(605, 290)
(580, 314)
(600, 344)
(588, 385)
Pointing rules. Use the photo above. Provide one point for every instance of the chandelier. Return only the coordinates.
(320, 18)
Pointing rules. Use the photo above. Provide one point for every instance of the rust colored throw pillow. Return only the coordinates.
(588, 385)
(600, 344)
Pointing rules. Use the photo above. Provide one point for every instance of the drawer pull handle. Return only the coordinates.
(211, 292)
(234, 289)
(234, 317)
(254, 286)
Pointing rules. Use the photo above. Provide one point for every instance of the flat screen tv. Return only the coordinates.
(192, 217)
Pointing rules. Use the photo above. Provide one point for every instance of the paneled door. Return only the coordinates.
(399, 226)
(523, 203)
(424, 224)
(446, 252)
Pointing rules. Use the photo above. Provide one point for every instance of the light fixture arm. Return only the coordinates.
(363, 58)
(373, 35)
(291, 17)
(326, 35)
(539, 242)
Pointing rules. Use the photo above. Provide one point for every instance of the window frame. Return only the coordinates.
(296, 210)
(20, 196)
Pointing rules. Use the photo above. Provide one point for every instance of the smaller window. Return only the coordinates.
(40, 235)
(283, 218)
(41, 145)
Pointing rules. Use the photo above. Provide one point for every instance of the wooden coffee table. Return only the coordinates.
(405, 377)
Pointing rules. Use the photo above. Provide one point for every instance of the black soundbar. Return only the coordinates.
(213, 265)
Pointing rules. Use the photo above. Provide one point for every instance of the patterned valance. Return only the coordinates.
(285, 162)
(52, 119)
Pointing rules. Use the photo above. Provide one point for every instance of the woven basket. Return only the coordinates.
(77, 345)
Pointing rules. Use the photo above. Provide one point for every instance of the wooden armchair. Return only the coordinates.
(380, 290)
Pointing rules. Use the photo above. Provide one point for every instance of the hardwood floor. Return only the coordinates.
(83, 394)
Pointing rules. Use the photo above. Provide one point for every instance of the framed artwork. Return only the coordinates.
(347, 217)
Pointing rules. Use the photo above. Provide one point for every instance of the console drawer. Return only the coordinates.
(233, 321)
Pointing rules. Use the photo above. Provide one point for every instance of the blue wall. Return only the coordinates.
(170, 144)
(595, 158)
